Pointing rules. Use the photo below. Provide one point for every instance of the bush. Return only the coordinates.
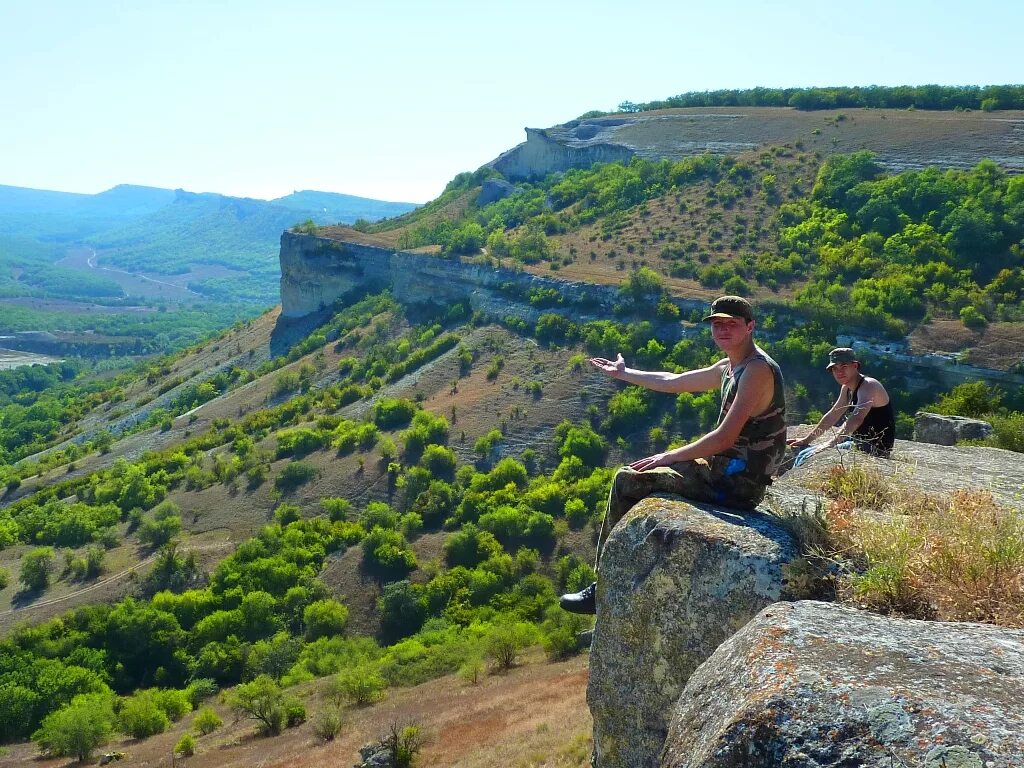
(293, 475)
(387, 553)
(36, 567)
(389, 412)
(174, 704)
(294, 713)
(403, 744)
(472, 670)
(287, 513)
(186, 746)
(360, 685)
(503, 643)
(324, 618)
(206, 721)
(140, 717)
(156, 531)
(327, 724)
(4, 578)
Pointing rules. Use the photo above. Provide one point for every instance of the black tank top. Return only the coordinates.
(877, 433)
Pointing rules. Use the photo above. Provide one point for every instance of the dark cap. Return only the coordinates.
(731, 306)
(841, 355)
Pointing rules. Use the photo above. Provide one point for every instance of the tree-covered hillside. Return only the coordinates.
(987, 97)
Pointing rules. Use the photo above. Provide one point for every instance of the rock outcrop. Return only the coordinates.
(676, 581)
(948, 430)
(816, 684)
(316, 272)
(559, 149)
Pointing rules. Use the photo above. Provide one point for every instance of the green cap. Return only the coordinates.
(841, 355)
(731, 306)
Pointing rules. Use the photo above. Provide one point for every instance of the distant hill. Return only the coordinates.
(331, 207)
(211, 245)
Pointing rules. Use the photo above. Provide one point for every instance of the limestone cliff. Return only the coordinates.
(316, 272)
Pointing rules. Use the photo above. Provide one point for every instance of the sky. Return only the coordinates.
(391, 98)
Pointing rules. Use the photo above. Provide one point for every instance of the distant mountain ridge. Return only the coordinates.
(219, 246)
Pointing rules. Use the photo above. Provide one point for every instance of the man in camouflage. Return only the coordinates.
(733, 464)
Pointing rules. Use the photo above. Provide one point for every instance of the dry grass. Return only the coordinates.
(955, 558)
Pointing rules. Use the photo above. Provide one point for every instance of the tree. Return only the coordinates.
(402, 608)
(504, 642)
(324, 618)
(262, 701)
(36, 568)
(360, 685)
(206, 721)
(77, 729)
(140, 716)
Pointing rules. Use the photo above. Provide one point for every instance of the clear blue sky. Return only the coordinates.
(392, 98)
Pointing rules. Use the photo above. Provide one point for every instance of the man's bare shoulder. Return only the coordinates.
(873, 388)
(758, 373)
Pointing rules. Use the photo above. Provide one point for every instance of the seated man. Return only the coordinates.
(733, 464)
(864, 404)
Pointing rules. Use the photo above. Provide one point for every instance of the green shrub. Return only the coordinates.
(186, 745)
(206, 721)
(260, 700)
(141, 717)
(36, 567)
(77, 729)
(360, 685)
(324, 618)
(293, 475)
(327, 724)
(294, 713)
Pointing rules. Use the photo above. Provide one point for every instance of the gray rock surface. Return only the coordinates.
(948, 430)
(816, 684)
(676, 580)
(493, 190)
(923, 467)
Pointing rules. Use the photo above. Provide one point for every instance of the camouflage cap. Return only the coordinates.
(731, 306)
(841, 355)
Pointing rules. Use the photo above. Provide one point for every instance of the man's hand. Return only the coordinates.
(613, 368)
(797, 442)
(657, 460)
(806, 454)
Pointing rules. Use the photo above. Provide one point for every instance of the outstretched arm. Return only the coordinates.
(699, 380)
(750, 400)
(829, 420)
(872, 396)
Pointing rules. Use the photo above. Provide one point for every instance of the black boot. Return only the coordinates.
(584, 601)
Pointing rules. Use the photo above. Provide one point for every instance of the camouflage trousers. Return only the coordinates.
(699, 480)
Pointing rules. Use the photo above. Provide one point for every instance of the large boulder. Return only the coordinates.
(816, 684)
(948, 430)
(676, 581)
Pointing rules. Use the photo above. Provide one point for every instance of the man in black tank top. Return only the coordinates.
(733, 464)
(863, 408)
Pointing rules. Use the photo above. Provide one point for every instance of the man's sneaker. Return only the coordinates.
(584, 601)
